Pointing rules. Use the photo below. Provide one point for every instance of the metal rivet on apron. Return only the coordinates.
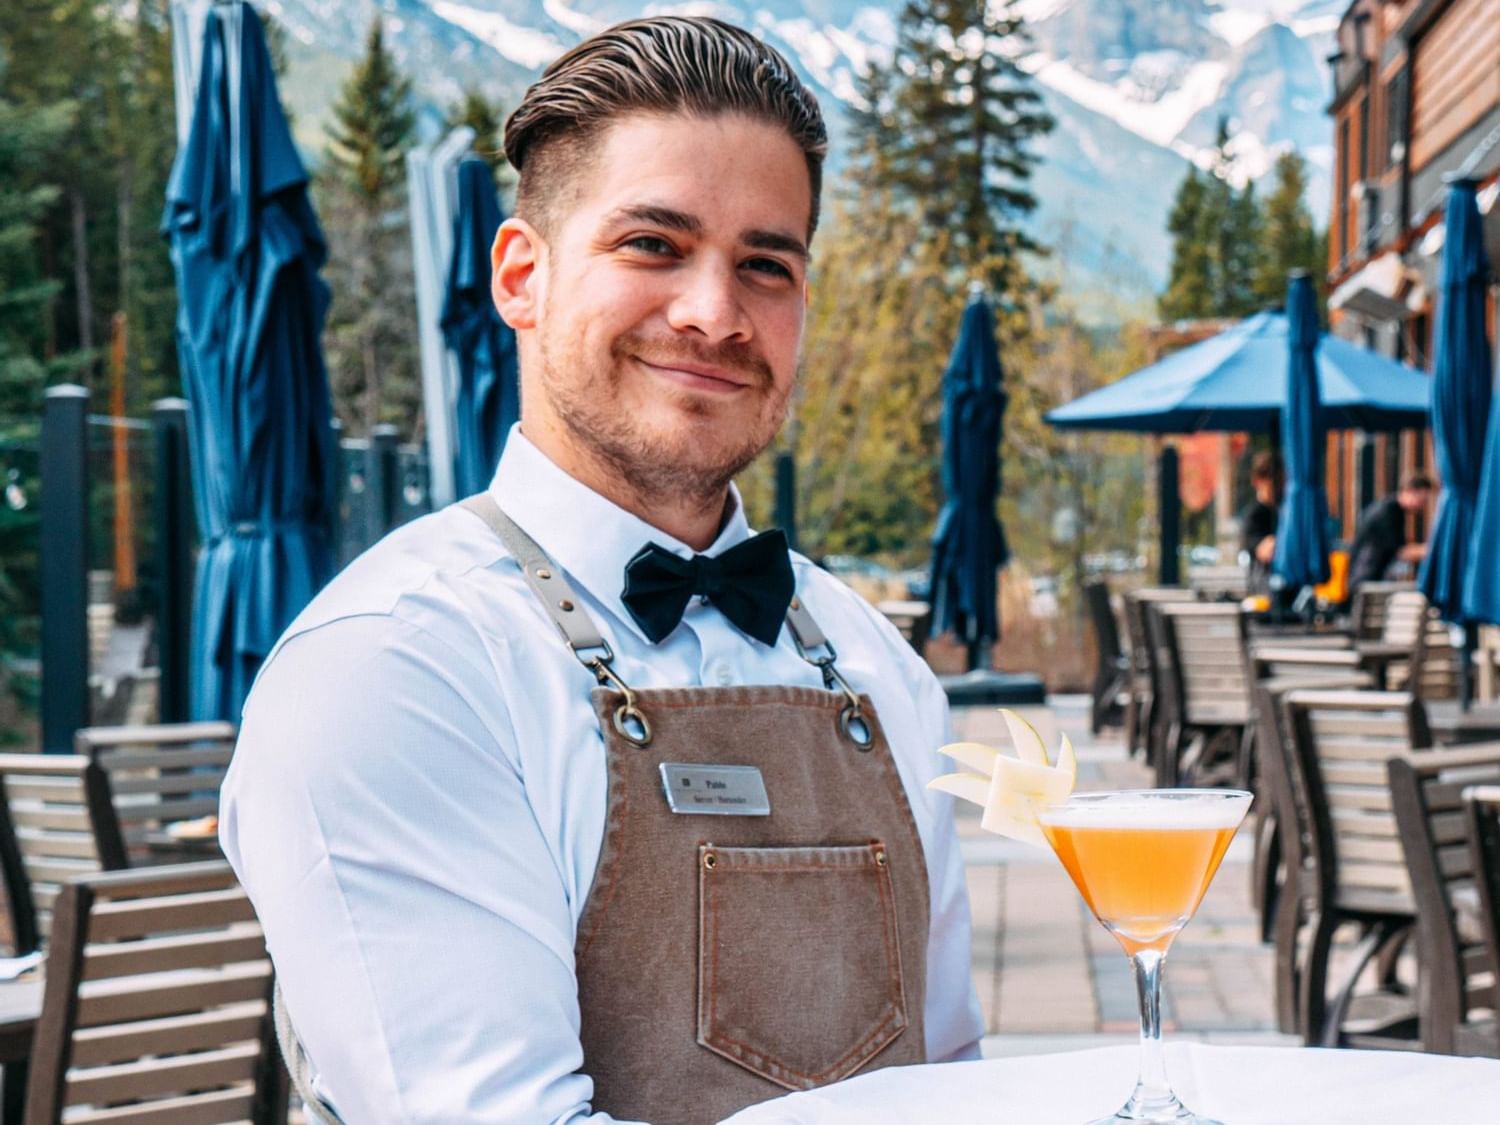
(544, 573)
(710, 860)
(565, 605)
(880, 859)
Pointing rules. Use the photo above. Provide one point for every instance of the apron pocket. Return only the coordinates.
(799, 965)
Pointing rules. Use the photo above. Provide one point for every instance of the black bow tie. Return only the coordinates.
(751, 584)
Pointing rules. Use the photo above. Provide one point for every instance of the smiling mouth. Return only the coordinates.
(695, 377)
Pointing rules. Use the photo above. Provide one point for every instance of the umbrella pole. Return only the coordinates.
(1466, 665)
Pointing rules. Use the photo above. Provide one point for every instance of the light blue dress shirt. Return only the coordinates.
(417, 800)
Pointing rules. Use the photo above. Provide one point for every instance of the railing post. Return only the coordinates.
(786, 496)
(174, 556)
(64, 555)
(1169, 505)
(381, 480)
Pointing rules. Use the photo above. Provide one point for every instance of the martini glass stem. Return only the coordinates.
(1152, 1093)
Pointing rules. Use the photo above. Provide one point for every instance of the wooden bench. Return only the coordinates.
(1342, 742)
(157, 1005)
(1457, 995)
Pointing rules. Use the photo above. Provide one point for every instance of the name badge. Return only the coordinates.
(715, 790)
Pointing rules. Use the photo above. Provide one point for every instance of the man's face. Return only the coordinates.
(1412, 499)
(669, 300)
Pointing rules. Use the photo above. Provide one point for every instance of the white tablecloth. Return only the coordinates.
(1237, 1085)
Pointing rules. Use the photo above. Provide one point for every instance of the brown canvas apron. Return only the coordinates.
(723, 960)
(726, 959)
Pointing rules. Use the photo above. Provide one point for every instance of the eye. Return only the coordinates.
(649, 243)
(770, 267)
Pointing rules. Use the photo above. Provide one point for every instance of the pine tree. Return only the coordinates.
(371, 348)
(1190, 282)
(1289, 240)
(487, 118)
(946, 127)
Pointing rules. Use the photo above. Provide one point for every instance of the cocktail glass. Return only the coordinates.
(1142, 859)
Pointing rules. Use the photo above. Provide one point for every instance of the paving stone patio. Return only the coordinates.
(1049, 977)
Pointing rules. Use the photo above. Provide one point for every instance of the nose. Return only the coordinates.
(709, 302)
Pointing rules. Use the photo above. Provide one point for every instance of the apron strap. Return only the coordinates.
(565, 608)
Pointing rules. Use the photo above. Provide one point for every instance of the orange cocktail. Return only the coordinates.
(1143, 882)
(1142, 860)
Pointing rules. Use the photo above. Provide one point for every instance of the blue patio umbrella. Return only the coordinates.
(246, 249)
(1461, 392)
(1302, 526)
(969, 543)
(488, 392)
(1482, 575)
(1237, 381)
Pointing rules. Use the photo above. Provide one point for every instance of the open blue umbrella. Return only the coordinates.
(246, 249)
(1302, 526)
(969, 543)
(489, 400)
(1237, 381)
(1461, 391)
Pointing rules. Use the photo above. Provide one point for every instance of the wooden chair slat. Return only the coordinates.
(1358, 797)
(194, 1109)
(158, 812)
(1337, 771)
(1382, 876)
(176, 951)
(1372, 850)
(38, 816)
(46, 790)
(116, 761)
(233, 1023)
(161, 1077)
(164, 734)
(44, 842)
(132, 918)
(1381, 727)
(57, 870)
(169, 994)
(194, 781)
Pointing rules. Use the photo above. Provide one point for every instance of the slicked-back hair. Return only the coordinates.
(692, 65)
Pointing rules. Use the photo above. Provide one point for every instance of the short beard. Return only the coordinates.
(640, 461)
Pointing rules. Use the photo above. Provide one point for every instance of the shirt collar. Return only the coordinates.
(589, 536)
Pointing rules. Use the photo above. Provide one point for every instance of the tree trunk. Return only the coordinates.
(81, 270)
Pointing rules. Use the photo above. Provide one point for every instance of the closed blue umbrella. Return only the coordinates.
(1482, 575)
(1461, 392)
(1302, 526)
(1237, 381)
(246, 249)
(969, 543)
(489, 400)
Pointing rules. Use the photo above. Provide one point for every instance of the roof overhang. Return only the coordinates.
(1378, 291)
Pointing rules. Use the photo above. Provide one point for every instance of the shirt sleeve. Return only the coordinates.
(417, 920)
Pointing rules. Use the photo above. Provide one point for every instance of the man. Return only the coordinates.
(1258, 519)
(467, 796)
(1380, 538)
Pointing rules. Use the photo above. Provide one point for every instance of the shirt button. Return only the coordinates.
(720, 674)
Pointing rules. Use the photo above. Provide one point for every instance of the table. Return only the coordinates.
(20, 1007)
(1238, 1085)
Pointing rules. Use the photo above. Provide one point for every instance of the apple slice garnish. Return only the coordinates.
(1009, 789)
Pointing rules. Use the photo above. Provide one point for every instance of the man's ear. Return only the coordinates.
(514, 282)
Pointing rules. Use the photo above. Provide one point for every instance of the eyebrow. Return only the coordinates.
(671, 219)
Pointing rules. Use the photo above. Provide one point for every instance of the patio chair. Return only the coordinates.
(1141, 727)
(1457, 997)
(1206, 693)
(1414, 649)
(1281, 874)
(1487, 664)
(1219, 583)
(58, 824)
(157, 1004)
(1341, 744)
(159, 775)
(1367, 612)
(1112, 673)
(1482, 810)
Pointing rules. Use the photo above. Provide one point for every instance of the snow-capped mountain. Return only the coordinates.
(1137, 87)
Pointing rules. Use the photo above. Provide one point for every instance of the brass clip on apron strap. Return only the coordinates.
(565, 608)
(808, 637)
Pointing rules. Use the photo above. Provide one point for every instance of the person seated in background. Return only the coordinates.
(1380, 539)
(1258, 520)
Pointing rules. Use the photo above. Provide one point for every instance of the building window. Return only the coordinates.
(1397, 111)
(1343, 208)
